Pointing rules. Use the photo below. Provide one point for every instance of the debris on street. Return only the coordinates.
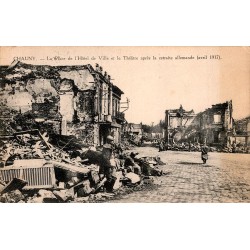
(35, 171)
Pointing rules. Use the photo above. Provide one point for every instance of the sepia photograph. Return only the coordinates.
(125, 124)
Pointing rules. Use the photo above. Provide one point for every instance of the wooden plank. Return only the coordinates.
(45, 165)
(70, 167)
(38, 187)
(36, 132)
(13, 185)
(53, 176)
(21, 174)
(101, 184)
(2, 182)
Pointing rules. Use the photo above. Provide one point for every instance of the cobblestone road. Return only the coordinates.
(225, 178)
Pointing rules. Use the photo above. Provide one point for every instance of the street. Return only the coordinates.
(224, 178)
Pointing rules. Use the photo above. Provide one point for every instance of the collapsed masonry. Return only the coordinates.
(33, 170)
(242, 131)
(77, 101)
(49, 116)
(214, 126)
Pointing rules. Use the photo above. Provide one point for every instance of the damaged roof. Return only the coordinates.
(181, 110)
(220, 106)
(117, 90)
(19, 71)
(83, 76)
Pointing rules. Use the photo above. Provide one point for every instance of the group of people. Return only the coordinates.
(109, 165)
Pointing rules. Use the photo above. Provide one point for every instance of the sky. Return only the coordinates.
(154, 84)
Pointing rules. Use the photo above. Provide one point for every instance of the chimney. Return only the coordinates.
(97, 67)
(105, 74)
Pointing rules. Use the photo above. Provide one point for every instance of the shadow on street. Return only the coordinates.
(193, 163)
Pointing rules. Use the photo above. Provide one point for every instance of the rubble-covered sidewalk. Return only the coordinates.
(35, 171)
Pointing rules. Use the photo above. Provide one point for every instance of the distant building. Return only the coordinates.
(242, 131)
(156, 135)
(67, 100)
(214, 126)
(176, 123)
(134, 130)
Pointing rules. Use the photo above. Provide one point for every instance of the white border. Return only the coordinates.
(119, 226)
(125, 23)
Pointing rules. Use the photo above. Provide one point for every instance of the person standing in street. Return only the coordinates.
(161, 146)
(204, 153)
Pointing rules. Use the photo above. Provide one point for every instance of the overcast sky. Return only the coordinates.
(156, 85)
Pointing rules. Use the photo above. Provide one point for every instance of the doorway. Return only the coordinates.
(216, 136)
(104, 131)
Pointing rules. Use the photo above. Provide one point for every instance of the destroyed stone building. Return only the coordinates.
(134, 129)
(176, 123)
(62, 100)
(214, 126)
(132, 132)
(242, 131)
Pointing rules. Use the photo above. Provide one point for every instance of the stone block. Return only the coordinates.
(85, 189)
(47, 196)
(63, 195)
(12, 197)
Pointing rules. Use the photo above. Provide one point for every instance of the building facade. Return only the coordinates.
(176, 123)
(135, 130)
(214, 126)
(78, 101)
(242, 131)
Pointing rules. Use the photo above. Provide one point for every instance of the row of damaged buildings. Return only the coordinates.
(215, 126)
(49, 118)
(64, 101)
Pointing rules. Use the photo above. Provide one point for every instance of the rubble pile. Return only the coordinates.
(126, 144)
(129, 142)
(239, 148)
(34, 171)
(196, 147)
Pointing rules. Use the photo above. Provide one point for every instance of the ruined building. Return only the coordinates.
(134, 130)
(176, 123)
(213, 126)
(242, 131)
(216, 124)
(62, 100)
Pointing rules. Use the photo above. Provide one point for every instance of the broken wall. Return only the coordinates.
(30, 94)
(45, 95)
(82, 78)
(116, 132)
(212, 126)
(85, 105)
(65, 100)
(242, 127)
(178, 122)
(86, 131)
